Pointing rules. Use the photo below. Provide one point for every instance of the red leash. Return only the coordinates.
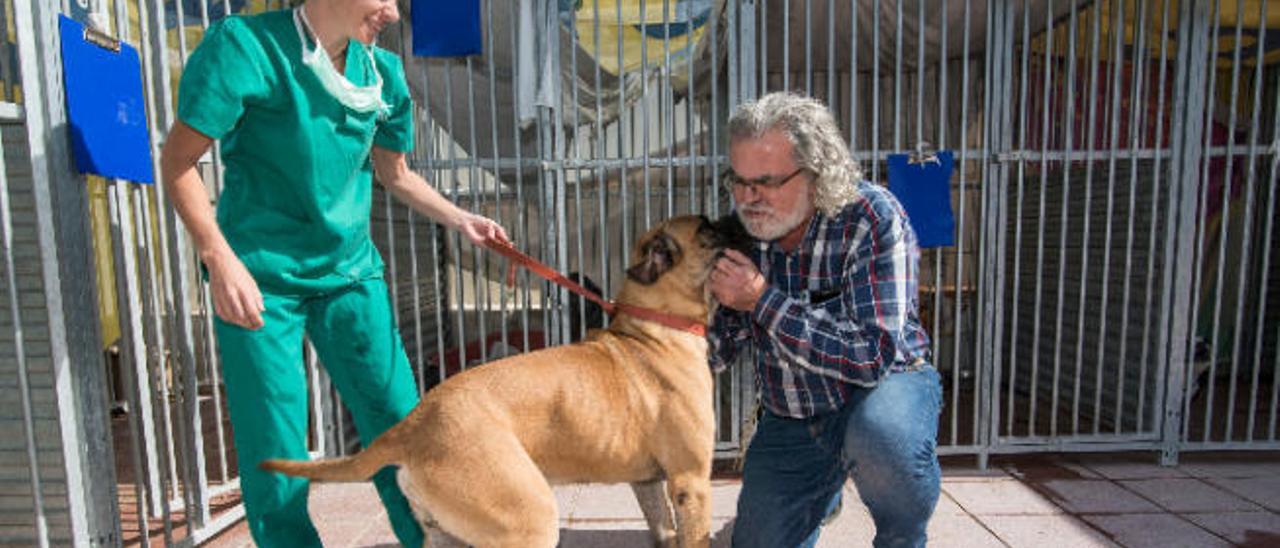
(610, 307)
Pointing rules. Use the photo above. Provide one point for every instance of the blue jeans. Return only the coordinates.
(885, 438)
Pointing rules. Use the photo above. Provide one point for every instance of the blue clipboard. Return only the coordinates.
(106, 113)
(924, 189)
(446, 28)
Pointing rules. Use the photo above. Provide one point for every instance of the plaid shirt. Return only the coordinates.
(840, 310)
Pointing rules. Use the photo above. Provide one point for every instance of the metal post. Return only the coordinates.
(1000, 139)
(1187, 134)
(69, 282)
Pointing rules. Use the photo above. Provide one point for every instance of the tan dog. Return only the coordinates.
(632, 403)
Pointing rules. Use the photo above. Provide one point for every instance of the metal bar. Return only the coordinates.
(152, 380)
(493, 138)
(215, 381)
(831, 56)
(415, 289)
(67, 274)
(714, 118)
(960, 228)
(177, 274)
(1230, 446)
(599, 139)
(1117, 23)
(644, 126)
(920, 25)
(41, 520)
(426, 151)
(942, 134)
(155, 296)
(311, 369)
(1189, 107)
(1099, 442)
(577, 174)
(1155, 210)
(998, 89)
(763, 41)
(391, 261)
(1201, 227)
(992, 120)
(853, 78)
(133, 354)
(897, 79)
(146, 467)
(1225, 231)
(1035, 447)
(1036, 323)
(691, 148)
(620, 162)
(544, 204)
(559, 203)
(1062, 241)
(1091, 145)
(521, 216)
(216, 525)
(480, 304)
(666, 120)
(1135, 124)
(1275, 368)
(808, 45)
(1250, 182)
(1017, 234)
(452, 151)
(875, 88)
(9, 78)
(786, 45)
(623, 134)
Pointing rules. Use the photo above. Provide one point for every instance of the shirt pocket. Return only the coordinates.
(829, 302)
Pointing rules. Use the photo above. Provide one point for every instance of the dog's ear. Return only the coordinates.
(658, 255)
(733, 234)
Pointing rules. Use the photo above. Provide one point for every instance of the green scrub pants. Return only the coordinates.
(355, 338)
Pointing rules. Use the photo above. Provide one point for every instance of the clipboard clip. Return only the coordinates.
(101, 39)
(923, 154)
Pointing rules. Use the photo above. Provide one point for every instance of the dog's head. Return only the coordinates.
(663, 249)
(671, 262)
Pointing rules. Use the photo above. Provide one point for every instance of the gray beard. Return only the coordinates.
(774, 226)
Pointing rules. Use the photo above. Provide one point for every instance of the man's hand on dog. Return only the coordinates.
(736, 282)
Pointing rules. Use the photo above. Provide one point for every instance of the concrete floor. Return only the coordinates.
(1031, 501)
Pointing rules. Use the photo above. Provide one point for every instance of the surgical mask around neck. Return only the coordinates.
(357, 98)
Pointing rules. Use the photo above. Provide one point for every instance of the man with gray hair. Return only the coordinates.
(828, 298)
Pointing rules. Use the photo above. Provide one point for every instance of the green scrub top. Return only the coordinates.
(298, 176)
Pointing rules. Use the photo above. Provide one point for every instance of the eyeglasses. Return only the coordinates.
(732, 181)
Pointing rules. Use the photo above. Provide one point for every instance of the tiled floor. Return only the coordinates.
(1034, 502)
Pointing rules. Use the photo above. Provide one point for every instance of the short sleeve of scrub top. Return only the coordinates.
(223, 75)
(395, 132)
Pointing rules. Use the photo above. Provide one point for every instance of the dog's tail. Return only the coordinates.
(358, 467)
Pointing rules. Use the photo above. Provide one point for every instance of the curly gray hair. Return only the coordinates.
(815, 140)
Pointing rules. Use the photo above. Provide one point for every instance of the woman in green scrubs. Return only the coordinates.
(308, 111)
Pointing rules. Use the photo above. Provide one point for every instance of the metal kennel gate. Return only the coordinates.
(1110, 288)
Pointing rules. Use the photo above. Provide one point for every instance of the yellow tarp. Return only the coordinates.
(1158, 28)
(618, 26)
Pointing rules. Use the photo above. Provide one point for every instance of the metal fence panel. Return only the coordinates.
(1230, 379)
